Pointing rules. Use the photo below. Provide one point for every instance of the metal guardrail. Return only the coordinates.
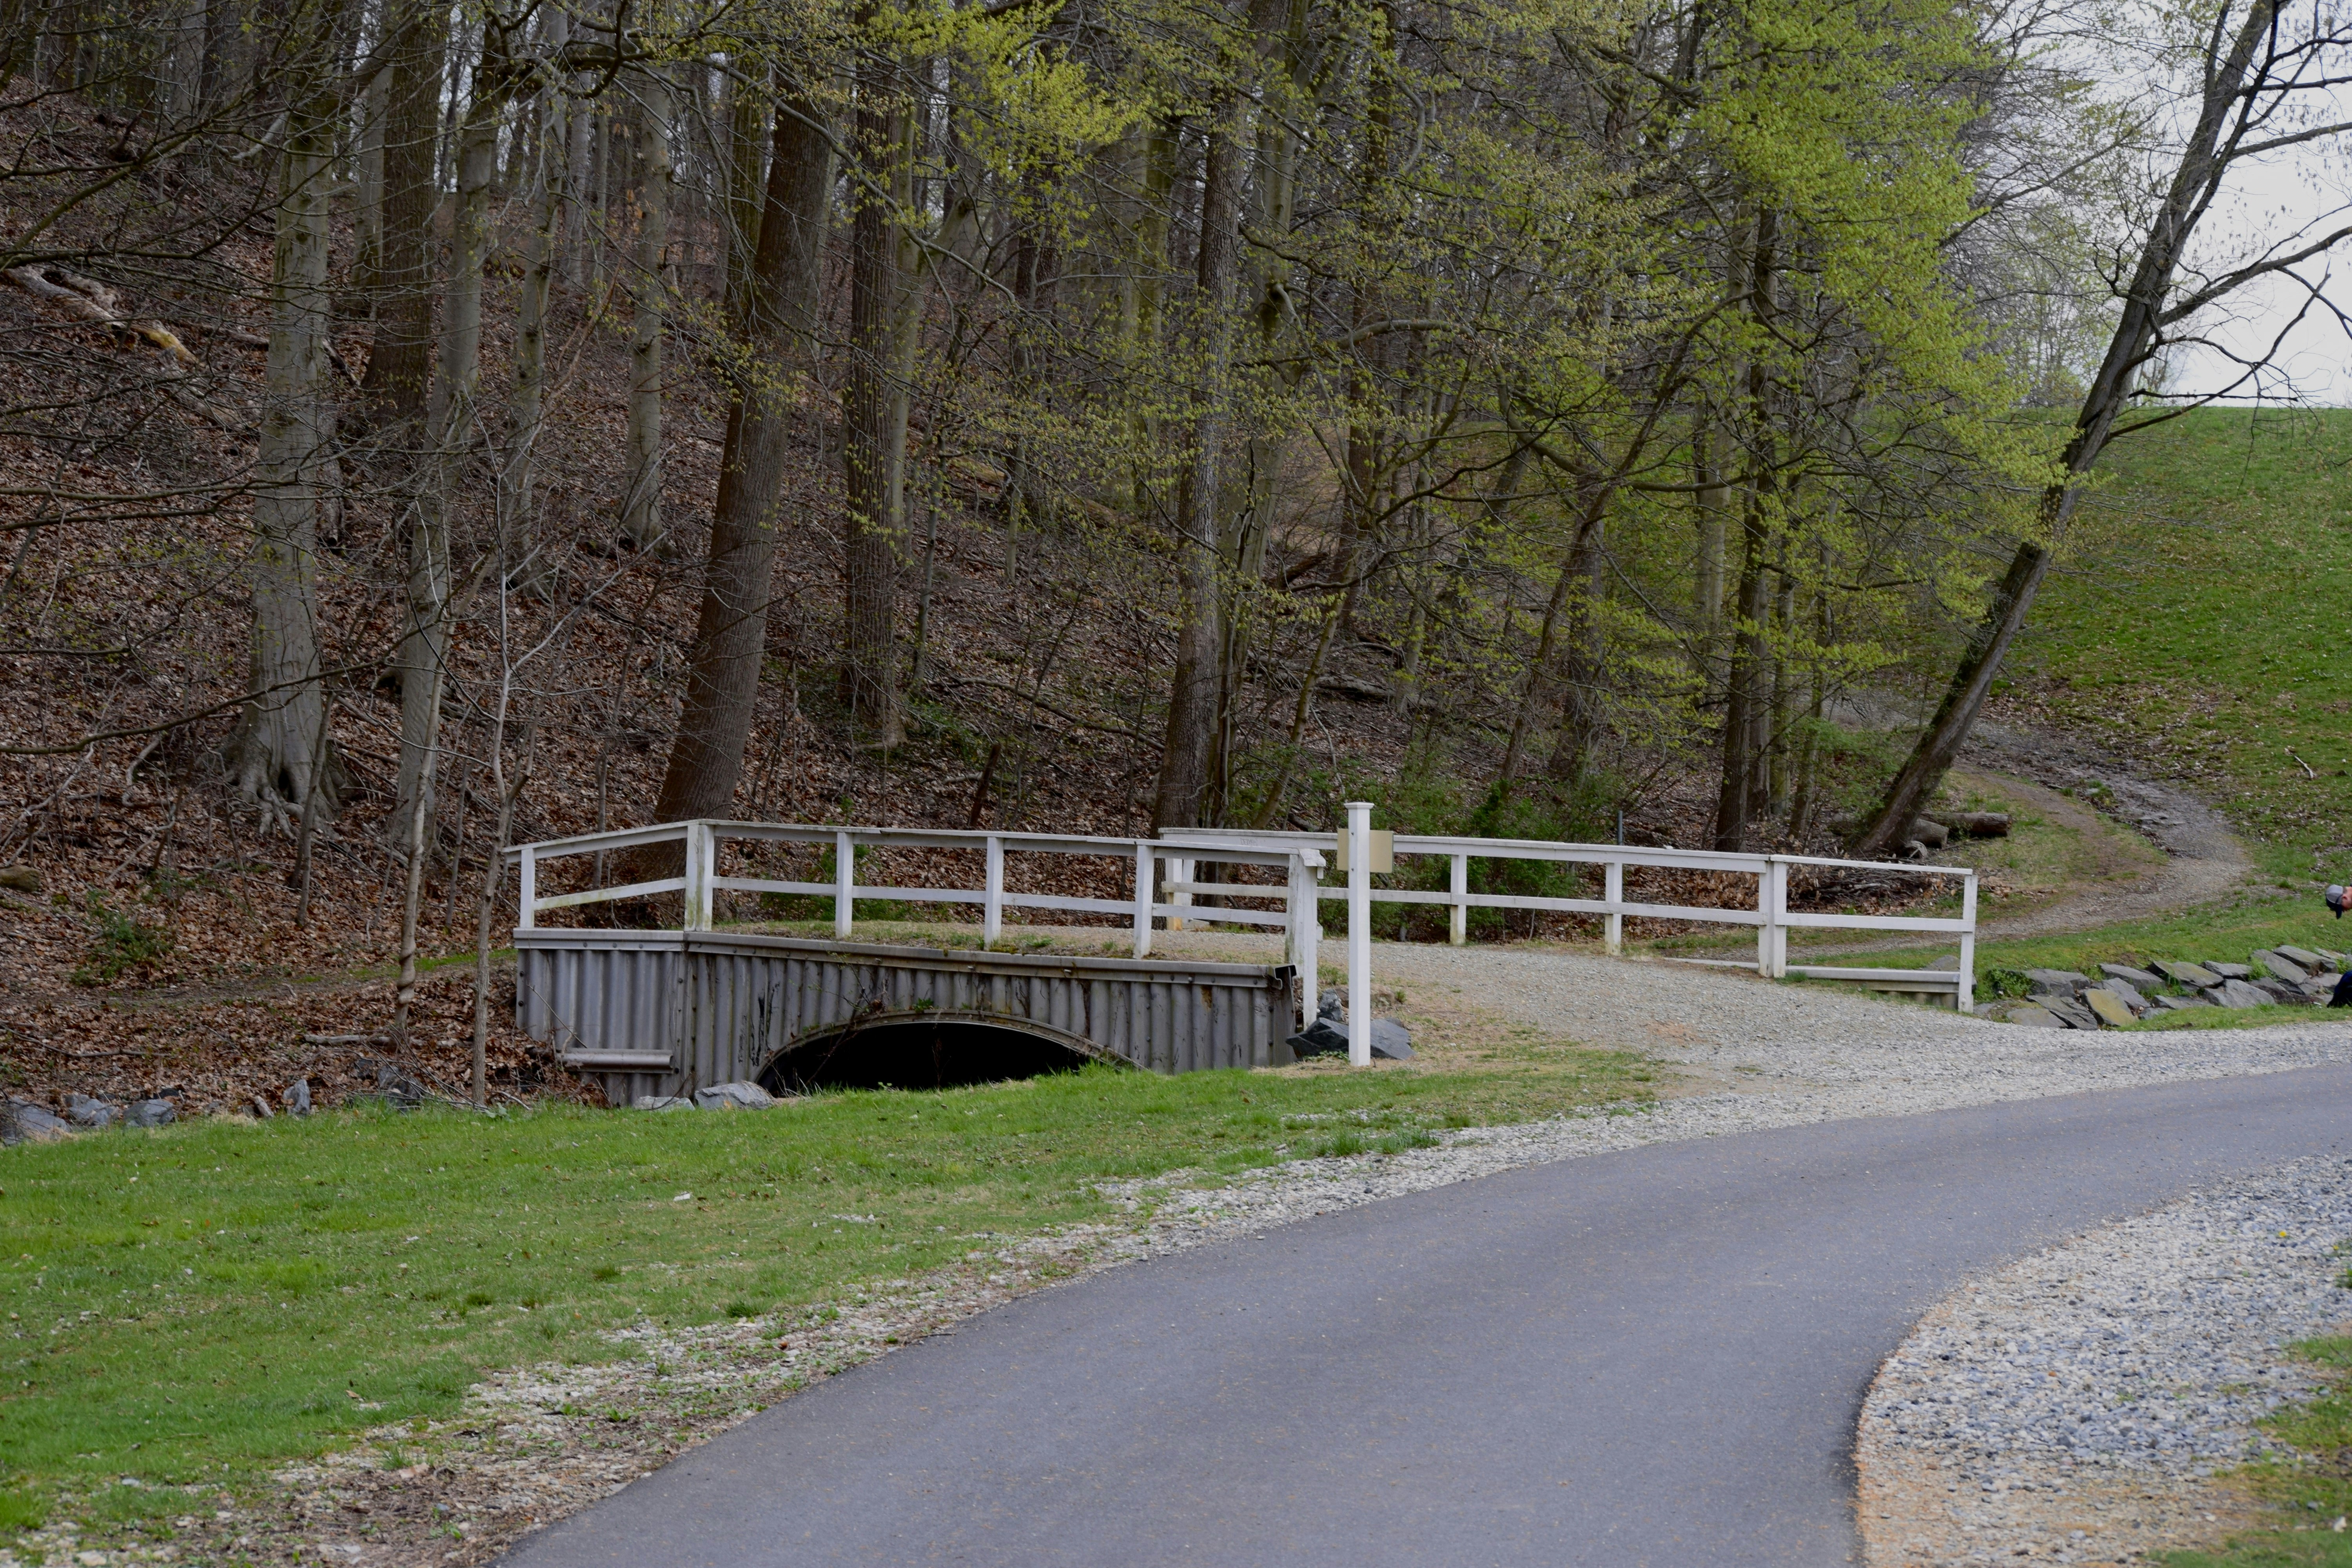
(1302, 857)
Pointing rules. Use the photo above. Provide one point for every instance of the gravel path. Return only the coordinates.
(1816, 1050)
(2069, 1406)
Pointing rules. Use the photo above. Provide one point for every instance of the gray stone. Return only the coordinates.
(1949, 962)
(1391, 1040)
(2303, 956)
(2180, 1004)
(84, 1112)
(150, 1113)
(22, 1122)
(2236, 993)
(2181, 974)
(2071, 1012)
(1332, 1005)
(1320, 1038)
(2129, 992)
(2282, 967)
(2231, 971)
(664, 1102)
(400, 1091)
(2057, 982)
(1931, 833)
(20, 879)
(2112, 1010)
(2320, 987)
(741, 1095)
(2139, 979)
(2030, 1016)
(2282, 990)
(297, 1097)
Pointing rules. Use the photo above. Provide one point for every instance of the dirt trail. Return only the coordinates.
(2204, 861)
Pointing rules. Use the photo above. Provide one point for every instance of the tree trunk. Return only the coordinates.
(874, 417)
(1571, 755)
(449, 441)
(1709, 458)
(1784, 616)
(526, 399)
(649, 295)
(1187, 761)
(367, 180)
(2204, 160)
(1745, 706)
(274, 758)
(578, 156)
(723, 676)
(1368, 393)
(1734, 798)
(494, 866)
(400, 361)
(747, 138)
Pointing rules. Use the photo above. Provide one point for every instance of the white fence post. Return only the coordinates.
(1458, 925)
(1360, 933)
(701, 850)
(1306, 935)
(1179, 870)
(1772, 902)
(527, 889)
(1612, 889)
(1965, 998)
(991, 906)
(845, 881)
(1142, 898)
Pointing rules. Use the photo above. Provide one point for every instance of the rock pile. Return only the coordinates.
(1327, 1035)
(2063, 999)
(23, 1121)
(741, 1095)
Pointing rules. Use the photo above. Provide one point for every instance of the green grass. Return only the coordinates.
(2312, 1486)
(203, 1303)
(2241, 1018)
(2197, 620)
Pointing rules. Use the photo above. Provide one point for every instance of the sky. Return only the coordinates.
(2267, 201)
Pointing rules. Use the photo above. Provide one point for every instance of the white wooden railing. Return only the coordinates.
(1166, 888)
(699, 879)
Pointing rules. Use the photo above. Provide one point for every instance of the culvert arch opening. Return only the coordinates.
(945, 1053)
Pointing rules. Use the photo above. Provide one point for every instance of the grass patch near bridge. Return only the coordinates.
(196, 1306)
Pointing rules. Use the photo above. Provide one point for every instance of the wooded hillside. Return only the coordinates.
(429, 426)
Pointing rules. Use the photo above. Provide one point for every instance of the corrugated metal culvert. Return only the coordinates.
(665, 1012)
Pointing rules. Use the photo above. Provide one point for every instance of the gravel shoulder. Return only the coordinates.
(2084, 1405)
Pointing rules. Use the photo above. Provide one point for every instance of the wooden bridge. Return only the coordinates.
(666, 1011)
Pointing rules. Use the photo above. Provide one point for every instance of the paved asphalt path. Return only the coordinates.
(1650, 1357)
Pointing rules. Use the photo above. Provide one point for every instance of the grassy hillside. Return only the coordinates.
(2199, 621)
